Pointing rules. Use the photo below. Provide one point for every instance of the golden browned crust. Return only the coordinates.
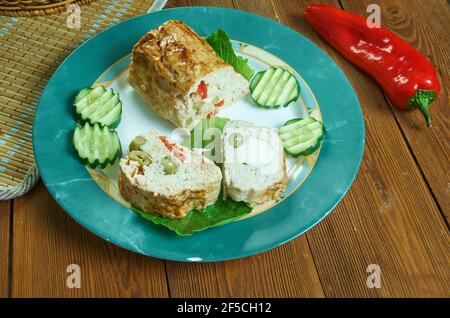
(177, 55)
(166, 63)
(176, 206)
(164, 104)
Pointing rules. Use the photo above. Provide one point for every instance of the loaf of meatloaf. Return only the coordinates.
(194, 183)
(180, 76)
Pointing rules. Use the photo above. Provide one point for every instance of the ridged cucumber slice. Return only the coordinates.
(83, 100)
(301, 136)
(274, 87)
(82, 94)
(110, 118)
(96, 145)
(98, 105)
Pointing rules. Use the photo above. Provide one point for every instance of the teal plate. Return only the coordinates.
(74, 189)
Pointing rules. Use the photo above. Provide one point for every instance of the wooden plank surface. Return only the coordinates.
(287, 271)
(385, 210)
(4, 247)
(392, 215)
(367, 224)
(389, 217)
(47, 241)
(426, 28)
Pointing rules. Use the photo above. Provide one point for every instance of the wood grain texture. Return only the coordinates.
(388, 217)
(426, 28)
(287, 271)
(392, 215)
(47, 240)
(4, 247)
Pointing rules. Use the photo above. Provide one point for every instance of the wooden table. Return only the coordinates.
(396, 214)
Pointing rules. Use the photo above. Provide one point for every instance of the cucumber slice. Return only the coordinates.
(98, 105)
(82, 94)
(112, 118)
(83, 101)
(301, 136)
(274, 87)
(96, 145)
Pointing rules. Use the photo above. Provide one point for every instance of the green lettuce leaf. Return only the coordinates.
(220, 42)
(206, 134)
(222, 212)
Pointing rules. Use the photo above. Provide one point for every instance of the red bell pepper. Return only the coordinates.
(174, 148)
(405, 74)
(220, 103)
(202, 90)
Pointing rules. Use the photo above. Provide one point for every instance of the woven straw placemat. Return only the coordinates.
(31, 48)
(30, 8)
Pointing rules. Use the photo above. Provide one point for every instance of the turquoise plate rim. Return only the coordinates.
(70, 184)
